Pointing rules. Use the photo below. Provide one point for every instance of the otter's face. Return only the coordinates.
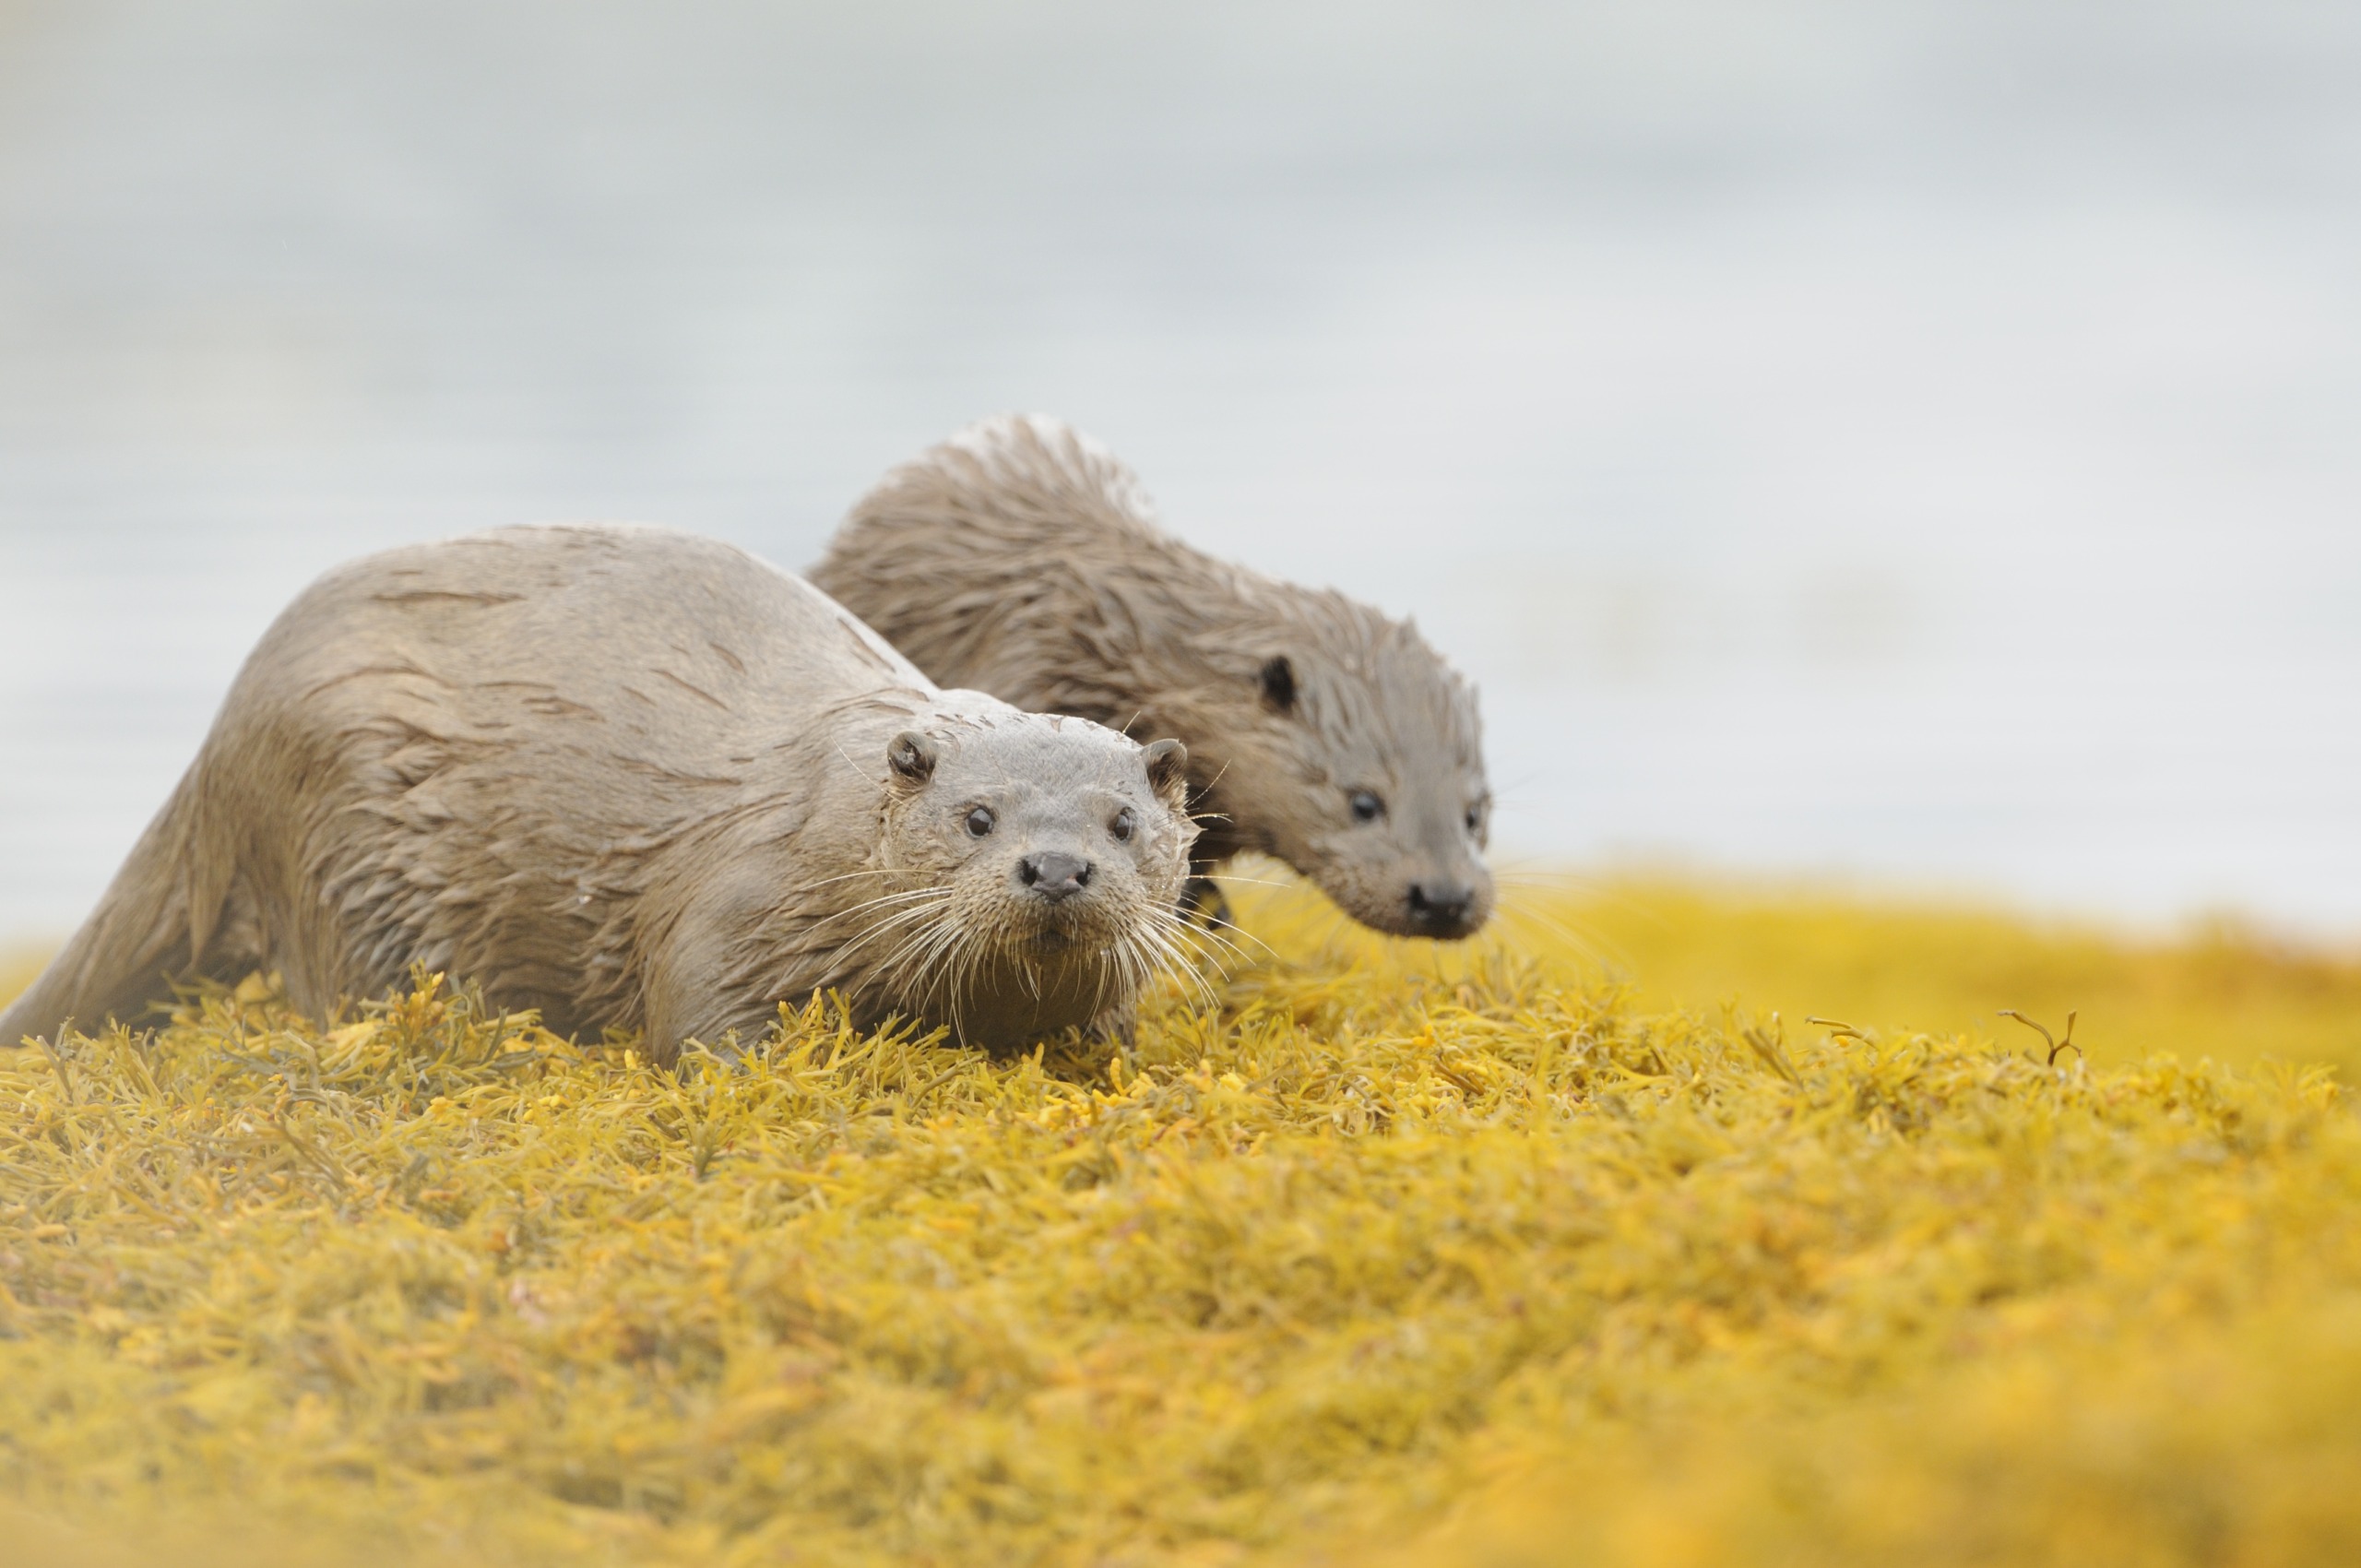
(1370, 773)
(1049, 844)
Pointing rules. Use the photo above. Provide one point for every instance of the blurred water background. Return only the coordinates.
(1905, 442)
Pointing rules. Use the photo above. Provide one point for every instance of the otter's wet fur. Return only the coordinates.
(641, 780)
(1023, 559)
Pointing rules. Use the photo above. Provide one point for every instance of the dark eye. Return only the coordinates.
(1121, 827)
(980, 822)
(1367, 807)
(1475, 818)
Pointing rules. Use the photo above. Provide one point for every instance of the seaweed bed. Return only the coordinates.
(1399, 1257)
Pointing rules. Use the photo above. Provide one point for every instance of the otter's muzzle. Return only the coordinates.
(1052, 875)
(1440, 907)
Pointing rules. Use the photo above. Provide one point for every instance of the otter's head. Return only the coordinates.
(1358, 761)
(1045, 856)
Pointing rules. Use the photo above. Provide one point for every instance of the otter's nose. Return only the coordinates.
(1054, 876)
(1440, 909)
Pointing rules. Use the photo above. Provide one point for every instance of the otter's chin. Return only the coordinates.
(1395, 925)
(1050, 933)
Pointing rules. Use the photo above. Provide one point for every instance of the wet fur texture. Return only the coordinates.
(639, 780)
(1023, 559)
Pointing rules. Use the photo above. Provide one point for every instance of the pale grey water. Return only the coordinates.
(1905, 441)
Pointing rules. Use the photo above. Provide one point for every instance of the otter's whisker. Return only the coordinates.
(892, 920)
(912, 958)
(912, 908)
(1516, 918)
(1196, 935)
(1230, 940)
(935, 963)
(1124, 959)
(918, 954)
(1155, 951)
(1098, 986)
(852, 876)
(967, 957)
(1192, 984)
(917, 912)
(913, 941)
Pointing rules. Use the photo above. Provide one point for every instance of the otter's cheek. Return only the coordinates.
(1315, 855)
(1372, 894)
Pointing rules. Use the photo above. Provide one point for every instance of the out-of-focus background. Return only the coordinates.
(1905, 442)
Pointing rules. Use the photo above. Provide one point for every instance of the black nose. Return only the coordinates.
(1440, 909)
(1054, 876)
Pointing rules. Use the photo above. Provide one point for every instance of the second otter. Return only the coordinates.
(1021, 558)
(641, 780)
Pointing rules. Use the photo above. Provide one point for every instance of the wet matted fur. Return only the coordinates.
(636, 779)
(1023, 559)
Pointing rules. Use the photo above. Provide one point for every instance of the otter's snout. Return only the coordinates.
(1053, 876)
(1440, 907)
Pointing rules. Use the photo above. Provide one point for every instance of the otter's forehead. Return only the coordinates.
(1389, 696)
(1020, 747)
(1422, 695)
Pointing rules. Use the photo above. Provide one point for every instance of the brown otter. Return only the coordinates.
(1021, 558)
(640, 779)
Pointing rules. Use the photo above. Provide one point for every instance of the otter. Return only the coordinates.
(636, 779)
(1023, 559)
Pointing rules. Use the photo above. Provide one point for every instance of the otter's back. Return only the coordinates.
(1023, 559)
(477, 748)
(618, 620)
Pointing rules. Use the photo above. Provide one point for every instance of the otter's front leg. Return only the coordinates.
(1116, 1027)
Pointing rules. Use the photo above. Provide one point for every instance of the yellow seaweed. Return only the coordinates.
(1405, 1254)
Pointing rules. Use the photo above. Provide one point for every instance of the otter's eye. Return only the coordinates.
(980, 822)
(1367, 807)
(1475, 818)
(1121, 827)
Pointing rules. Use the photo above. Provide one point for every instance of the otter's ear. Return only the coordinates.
(1168, 767)
(1277, 677)
(912, 756)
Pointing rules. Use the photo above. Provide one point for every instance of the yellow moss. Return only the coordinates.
(2234, 1441)
(2225, 992)
(1454, 1257)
